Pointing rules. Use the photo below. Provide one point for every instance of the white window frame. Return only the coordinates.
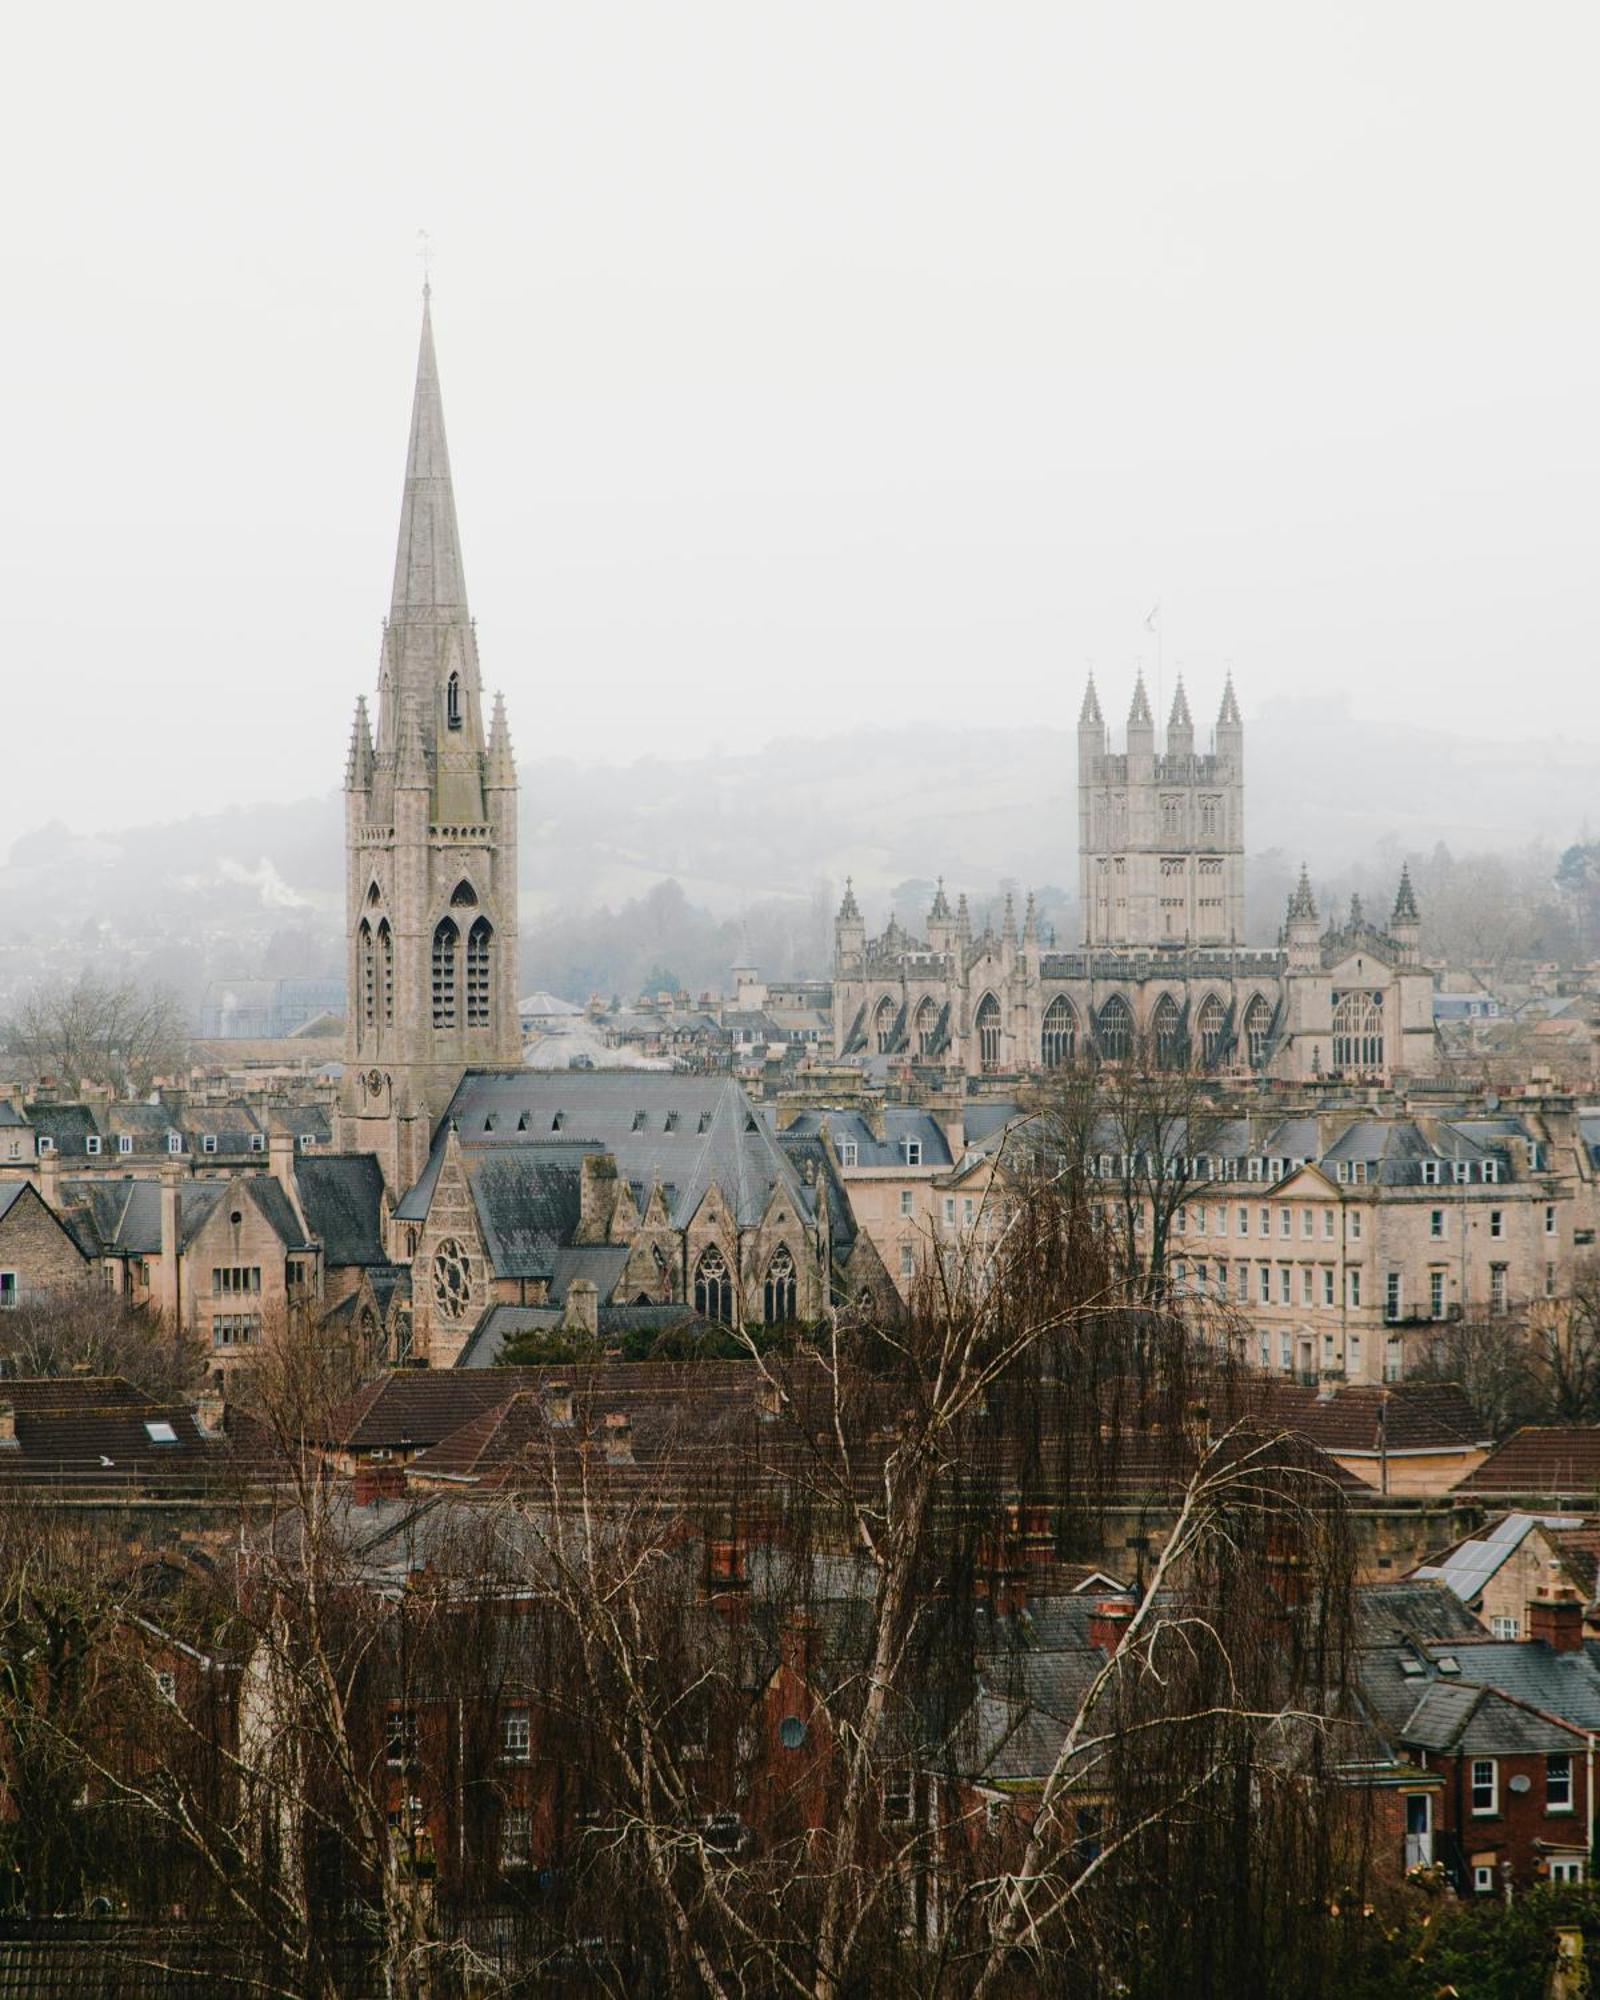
(1565, 1802)
(174, 1142)
(913, 1152)
(258, 1142)
(10, 1290)
(124, 1142)
(1504, 1626)
(208, 1142)
(905, 1202)
(1484, 1787)
(1483, 1881)
(1569, 1868)
(847, 1152)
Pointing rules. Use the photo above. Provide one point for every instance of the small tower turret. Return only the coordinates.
(849, 933)
(1180, 725)
(941, 925)
(1141, 736)
(1405, 925)
(1091, 733)
(1230, 731)
(1300, 928)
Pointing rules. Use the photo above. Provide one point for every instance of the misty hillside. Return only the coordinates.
(760, 844)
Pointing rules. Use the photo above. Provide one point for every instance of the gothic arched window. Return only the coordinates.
(463, 896)
(1257, 1024)
(1358, 1031)
(927, 1027)
(1167, 1024)
(883, 1019)
(988, 1025)
(1211, 1024)
(778, 1293)
(1059, 1046)
(452, 702)
(446, 950)
(1114, 1029)
(366, 976)
(386, 974)
(478, 940)
(713, 1286)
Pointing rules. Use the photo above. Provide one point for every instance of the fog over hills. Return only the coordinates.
(760, 844)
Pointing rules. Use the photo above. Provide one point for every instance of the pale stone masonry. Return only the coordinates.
(431, 837)
(1162, 971)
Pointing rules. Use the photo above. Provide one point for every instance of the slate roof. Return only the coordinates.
(341, 1195)
(502, 1323)
(528, 1204)
(1424, 1608)
(67, 1126)
(1556, 1461)
(683, 1131)
(124, 1215)
(902, 1125)
(1482, 1722)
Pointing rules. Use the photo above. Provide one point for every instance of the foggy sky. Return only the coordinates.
(799, 364)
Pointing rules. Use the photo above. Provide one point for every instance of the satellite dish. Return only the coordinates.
(1521, 1782)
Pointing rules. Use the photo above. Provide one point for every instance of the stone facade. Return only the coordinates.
(1161, 968)
(38, 1255)
(431, 847)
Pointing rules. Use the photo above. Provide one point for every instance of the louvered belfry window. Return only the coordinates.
(446, 948)
(478, 941)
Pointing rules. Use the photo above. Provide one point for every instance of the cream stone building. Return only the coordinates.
(1162, 967)
(430, 837)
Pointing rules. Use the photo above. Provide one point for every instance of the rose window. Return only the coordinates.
(452, 1278)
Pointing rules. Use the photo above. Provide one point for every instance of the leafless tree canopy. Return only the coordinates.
(795, 1711)
(112, 1032)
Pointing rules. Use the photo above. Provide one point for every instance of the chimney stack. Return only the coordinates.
(8, 1423)
(210, 1413)
(1108, 1621)
(1556, 1616)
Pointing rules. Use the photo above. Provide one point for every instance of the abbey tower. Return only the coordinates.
(1161, 835)
(430, 837)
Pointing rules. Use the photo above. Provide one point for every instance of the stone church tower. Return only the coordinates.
(430, 838)
(1161, 835)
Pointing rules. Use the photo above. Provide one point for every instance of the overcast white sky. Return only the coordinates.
(802, 364)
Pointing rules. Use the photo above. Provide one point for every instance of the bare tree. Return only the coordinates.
(82, 1330)
(111, 1032)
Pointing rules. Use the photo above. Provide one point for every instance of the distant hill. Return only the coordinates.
(258, 890)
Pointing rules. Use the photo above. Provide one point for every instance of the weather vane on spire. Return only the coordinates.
(425, 252)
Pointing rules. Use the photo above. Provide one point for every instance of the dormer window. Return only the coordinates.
(847, 1152)
(174, 1142)
(1491, 1170)
(307, 1141)
(452, 702)
(1462, 1172)
(91, 1145)
(913, 1152)
(124, 1142)
(258, 1142)
(208, 1143)
(46, 1143)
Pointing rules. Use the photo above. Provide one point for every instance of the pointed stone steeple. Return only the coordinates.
(963, 920)
(1139, 708)
(1030, 923)
(1405, 903)
(1180, 725)
(849, 909)
(1008, 924)
(1229, 714)
(1090, 714)
(940, 912)
(358, 770)
(429, 580)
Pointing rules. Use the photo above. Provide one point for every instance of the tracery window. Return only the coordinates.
(452, 702)
(366, 975)
(478, 940)
(446, 951)
(778, 1293)
(1059, 1046)
(1257, 1023)
(1114, 1029)
(452, 1279)
(1168, 1025)
(1171, 818)
(988, 1022)
(1358, 1031)
(927, 1027)
(386, 973)
(1210, 1022)
(713, 1286)
(883, 1020)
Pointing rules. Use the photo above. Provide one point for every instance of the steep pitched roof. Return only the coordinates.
(342, 1197)
(1555, 1461)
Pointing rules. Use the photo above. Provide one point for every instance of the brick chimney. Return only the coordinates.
(167, 1288)
(1108, 1621)
(211, 1413)
(618, 1438)
(555, 1399)
(1556, 1616)
(597, 1196)
(280, 1160)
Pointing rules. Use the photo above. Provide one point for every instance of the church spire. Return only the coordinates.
(1139, 709)
(1180, 718)
(500, 769)
(429, 581)
(1089, 715)
(1302, 904)
(1228, 715)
